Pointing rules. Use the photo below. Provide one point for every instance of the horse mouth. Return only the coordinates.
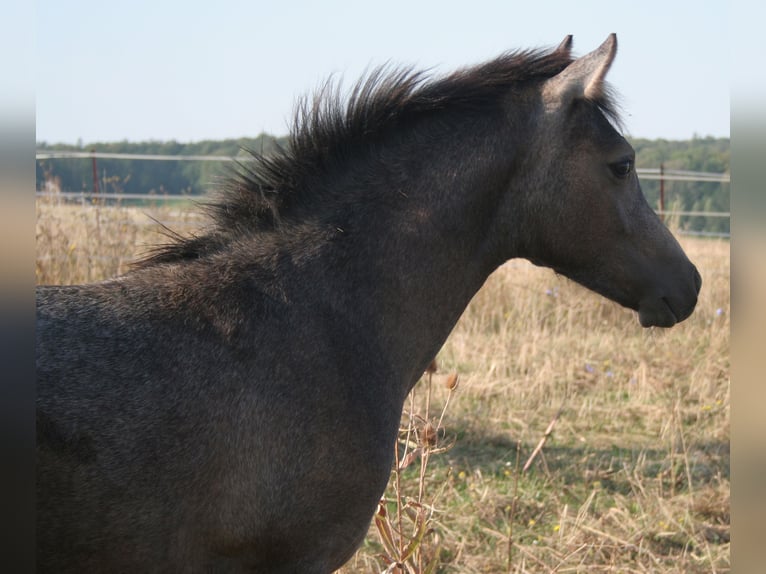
(658, 314)
(661, 313)
(664, 312)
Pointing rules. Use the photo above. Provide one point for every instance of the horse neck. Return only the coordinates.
(407, 266)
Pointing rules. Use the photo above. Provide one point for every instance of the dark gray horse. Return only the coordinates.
(231, 404)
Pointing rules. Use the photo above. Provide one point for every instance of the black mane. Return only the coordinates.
(328, 128)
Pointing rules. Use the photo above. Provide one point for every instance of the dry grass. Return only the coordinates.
(81, 243)
(635, 474)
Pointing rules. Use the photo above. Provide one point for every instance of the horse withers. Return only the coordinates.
(231, 404)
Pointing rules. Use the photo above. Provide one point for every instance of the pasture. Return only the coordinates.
(633, 475)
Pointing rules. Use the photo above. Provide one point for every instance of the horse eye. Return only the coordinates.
(622, 168)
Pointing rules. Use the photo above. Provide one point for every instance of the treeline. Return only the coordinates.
(698, 154)
(196, 177)
(150, 177)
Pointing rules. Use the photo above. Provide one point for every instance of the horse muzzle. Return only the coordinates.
(672, 307)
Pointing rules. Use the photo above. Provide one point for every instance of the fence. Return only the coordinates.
(647, 176)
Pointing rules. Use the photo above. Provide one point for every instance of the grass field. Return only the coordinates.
(633, 473)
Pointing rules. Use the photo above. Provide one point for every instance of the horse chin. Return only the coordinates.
(657, 313)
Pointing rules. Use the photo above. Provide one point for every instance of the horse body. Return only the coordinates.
(319, 361)
(231, 404)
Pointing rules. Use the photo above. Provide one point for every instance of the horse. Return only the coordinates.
(231, 403)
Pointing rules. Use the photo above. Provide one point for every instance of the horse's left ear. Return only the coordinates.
(565, 46)
(583, 78)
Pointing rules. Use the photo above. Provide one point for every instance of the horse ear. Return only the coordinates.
(566, 46)
(583, 78)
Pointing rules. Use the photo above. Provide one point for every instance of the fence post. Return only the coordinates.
(95, 173)
(662, 192)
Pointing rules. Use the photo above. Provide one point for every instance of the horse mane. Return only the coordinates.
(264, 191)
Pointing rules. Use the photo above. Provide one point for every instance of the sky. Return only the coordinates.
(188, 71)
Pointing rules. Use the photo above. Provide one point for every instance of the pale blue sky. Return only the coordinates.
(167, 69)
